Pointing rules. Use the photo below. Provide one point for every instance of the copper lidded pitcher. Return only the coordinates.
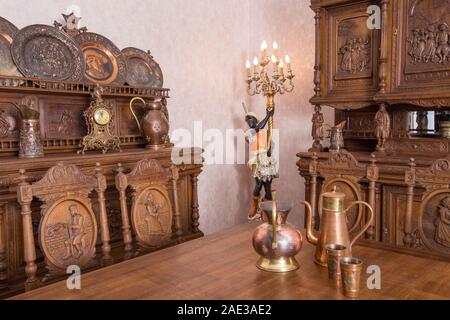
(154, 124)
(333, 225)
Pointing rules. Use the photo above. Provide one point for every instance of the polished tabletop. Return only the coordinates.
(222, 266)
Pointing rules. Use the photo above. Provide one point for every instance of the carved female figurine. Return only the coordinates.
(382, 127)
(442, 38)
(443, 223)
(430, 46)
(262, 163)
(317, 127)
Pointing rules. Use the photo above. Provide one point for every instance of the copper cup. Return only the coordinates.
(351, 269)
(335, 252)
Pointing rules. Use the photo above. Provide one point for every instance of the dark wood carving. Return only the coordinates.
(68, 225)
(151, 210)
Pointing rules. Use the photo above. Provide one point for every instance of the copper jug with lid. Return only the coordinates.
(333, 225)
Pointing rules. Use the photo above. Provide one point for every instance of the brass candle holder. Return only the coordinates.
(268, 78)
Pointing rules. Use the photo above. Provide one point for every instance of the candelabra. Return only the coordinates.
(268, 78)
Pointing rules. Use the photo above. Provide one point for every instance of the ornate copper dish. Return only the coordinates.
(143, 71)
(45, 52)
(7, 65)
(105, 64)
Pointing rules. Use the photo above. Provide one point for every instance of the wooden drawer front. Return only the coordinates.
(352, 53)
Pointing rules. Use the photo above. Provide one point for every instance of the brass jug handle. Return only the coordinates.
(360, 213)
(132, 111)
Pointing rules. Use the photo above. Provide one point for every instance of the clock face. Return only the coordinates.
(102, 116)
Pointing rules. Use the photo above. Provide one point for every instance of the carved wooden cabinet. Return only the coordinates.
(61, 105)
(391, 85)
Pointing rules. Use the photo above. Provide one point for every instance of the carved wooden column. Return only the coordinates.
(177, 214)
(313, 188)
(3, 264)
(25, 197)
(100, 188)
(121, 185)
(410, 180)
(382, 73)
(317, 62)
(372, 176)
(195, 206)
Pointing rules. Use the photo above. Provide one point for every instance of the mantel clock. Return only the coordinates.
(99, 121)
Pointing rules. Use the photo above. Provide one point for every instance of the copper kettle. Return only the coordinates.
(333, 226)
(154, 124)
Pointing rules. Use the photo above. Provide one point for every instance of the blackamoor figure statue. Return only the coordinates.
(262, 163)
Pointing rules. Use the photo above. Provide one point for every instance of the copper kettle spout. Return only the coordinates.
(310, 236)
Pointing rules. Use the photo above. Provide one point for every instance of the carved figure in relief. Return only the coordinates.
(152, 216)
(382, 127)
(75, 242)
(443, 223)
(443, 49)
(355, 55)
(430, 45)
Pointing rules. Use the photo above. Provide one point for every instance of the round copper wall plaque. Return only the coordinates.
(7, 65)
(45, 52)
(142, 70)
(105, 64)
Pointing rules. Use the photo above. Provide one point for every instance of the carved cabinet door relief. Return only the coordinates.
(68, 226)
(3, 261)
(151, 211)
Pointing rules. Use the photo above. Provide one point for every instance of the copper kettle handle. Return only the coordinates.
(132, 111)
(360, 213)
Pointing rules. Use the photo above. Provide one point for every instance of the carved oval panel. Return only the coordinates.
(67, 233)
(434, 221)
(351, 191)
(152, 216)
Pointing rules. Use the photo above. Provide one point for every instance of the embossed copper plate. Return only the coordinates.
(105, 64)
(7, 65)
(45, 52)
(143, 71)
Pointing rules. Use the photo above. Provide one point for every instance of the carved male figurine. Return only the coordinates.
(262, 163)
(442, 38)
(77, 234)
(317, 127)
(382, 127)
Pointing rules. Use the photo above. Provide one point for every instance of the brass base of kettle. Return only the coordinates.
(322, 264)
(279, 265)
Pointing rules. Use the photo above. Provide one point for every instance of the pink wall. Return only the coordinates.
(202, 46)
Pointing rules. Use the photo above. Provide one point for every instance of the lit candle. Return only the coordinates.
(275, 48)
(274, 60)
(255, 61)
(248, 66)
(288, 63)
(281, 65)
(264, 49)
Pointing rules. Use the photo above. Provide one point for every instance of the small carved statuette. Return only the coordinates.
(382, 128)
(317, 128)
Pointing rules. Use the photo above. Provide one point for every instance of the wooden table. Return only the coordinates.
(222, 266)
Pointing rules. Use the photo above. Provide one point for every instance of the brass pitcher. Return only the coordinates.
(154, 125)
(333, 226)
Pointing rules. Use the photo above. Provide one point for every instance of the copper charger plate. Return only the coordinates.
(7, 33)
(105, 64)
(143, 71)
(45, 52)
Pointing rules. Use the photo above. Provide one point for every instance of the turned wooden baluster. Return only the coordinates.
(313, 188)
(372, 175)
(177, 214)
(121, 185)
(3, 265)
(25, 197)
(317, 58)
(100, 188)
(195, 206)
(382, 73)
(410, 180)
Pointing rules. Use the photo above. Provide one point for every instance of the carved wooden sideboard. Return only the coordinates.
(392, 87)
(61, 105)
